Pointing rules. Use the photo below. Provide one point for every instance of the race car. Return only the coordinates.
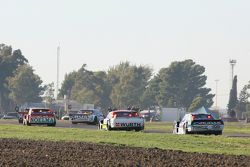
(39, 116)
(122, 120)
(198, 124)
(89, 116)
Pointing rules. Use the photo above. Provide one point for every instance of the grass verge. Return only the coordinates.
(188, 143)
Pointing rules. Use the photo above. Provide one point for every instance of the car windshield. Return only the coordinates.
(87, 112)
(126, 114)
(40, 111)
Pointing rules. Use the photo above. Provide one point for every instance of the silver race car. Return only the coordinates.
(90, 116)
(198, 124)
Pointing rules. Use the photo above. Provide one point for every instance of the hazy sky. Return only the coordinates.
(102, 33)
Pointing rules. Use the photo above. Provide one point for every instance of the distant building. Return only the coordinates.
(172, 114)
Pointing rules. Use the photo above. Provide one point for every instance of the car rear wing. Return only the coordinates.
(207, 122)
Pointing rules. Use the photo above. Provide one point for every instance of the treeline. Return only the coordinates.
(182, 85)
(239, 107)
(18, 83)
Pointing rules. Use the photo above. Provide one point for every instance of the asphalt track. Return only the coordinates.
(59, 124)
(68, 124)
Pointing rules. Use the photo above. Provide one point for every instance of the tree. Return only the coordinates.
(243, 100)
(9, 62)
(181, 83)
(233, 100)
(152, 90)
(49, 94)
(128, 84)
(25, 86)
(196, 104)
(86, 86)
(67, 85)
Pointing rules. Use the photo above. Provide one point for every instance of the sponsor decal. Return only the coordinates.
(207, 123)
(84, 117)
(42, 120)
(129, 124)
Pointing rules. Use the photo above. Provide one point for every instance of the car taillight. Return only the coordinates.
(113, 115)
(209, 117)
(193, 117)
(136, 114)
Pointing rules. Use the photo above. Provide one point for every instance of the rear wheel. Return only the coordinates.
(185, 131)
(27, 123)
(138, 129)
(108, 126)
(54, 124)
(218, 133)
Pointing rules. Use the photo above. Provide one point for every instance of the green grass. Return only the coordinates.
(234, 128)
(159, 126)
(230, 127)
(188, 143)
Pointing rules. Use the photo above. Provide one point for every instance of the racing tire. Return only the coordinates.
(185, 131)
(108, 127)
(218, 133)
(95, 121)
(51, 124)
(27, 123)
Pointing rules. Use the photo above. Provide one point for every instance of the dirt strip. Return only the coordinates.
(44, 153)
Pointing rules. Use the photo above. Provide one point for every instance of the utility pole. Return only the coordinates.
(57, 72)
(216, 93)
(232, 63)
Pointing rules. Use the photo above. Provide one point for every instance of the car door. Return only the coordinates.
(182, 125)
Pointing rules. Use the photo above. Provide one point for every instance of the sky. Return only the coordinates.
(155, 33)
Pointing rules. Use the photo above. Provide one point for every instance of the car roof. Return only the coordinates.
(123, 111)
(200, 114)
(39, 108)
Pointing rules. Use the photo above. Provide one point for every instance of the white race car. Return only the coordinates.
(198, 124)
(122, 120)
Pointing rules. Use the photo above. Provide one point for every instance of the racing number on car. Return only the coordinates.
(79, 117)
(42, 120)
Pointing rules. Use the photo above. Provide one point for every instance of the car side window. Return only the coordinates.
(108, 116)
(184, 119)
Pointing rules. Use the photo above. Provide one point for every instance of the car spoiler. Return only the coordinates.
(207, 122)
